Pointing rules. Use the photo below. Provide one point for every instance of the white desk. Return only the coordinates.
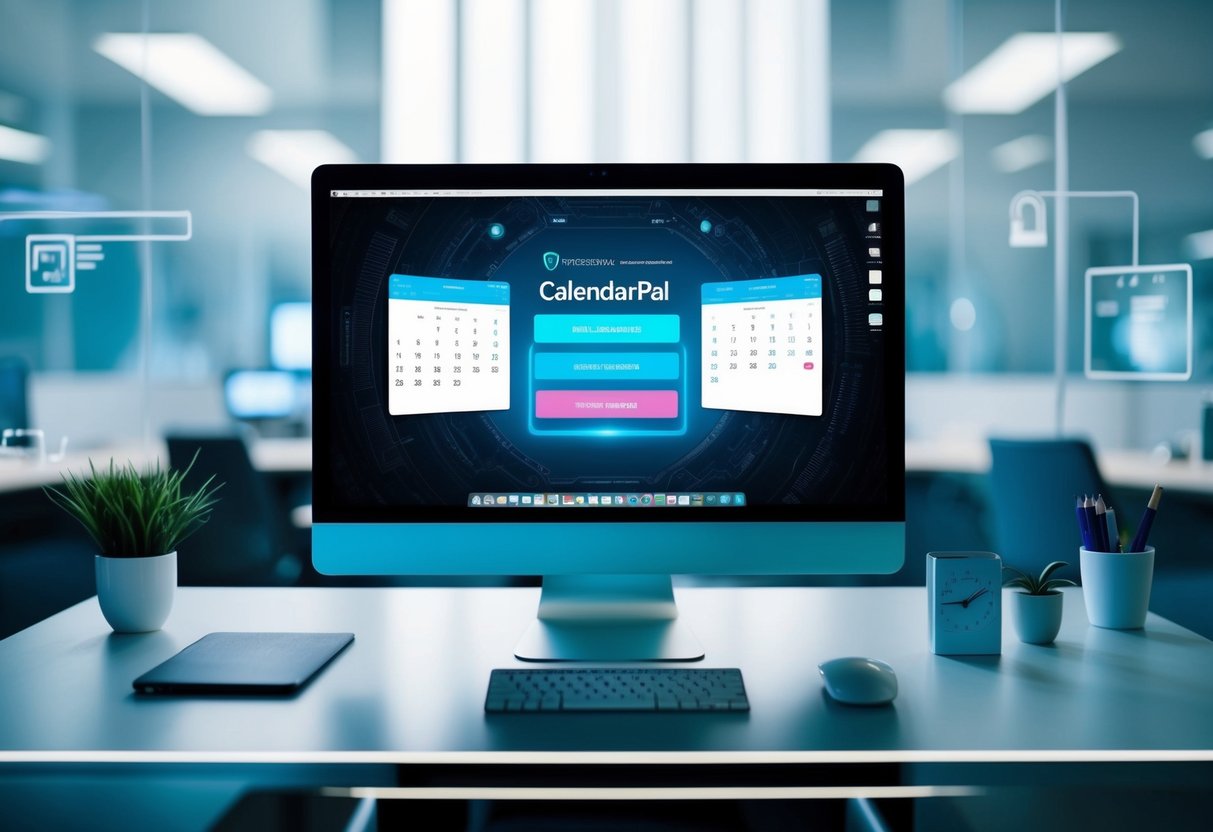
(410, 690)
(1133, 469)
(400, 713)
(269, 455)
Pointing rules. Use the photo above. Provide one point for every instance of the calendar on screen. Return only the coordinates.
(448, 345)
(762, 344)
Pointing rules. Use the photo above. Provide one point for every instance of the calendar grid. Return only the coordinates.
(762, 342)
(448, 345)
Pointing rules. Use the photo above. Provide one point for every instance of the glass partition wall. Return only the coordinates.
(212, 115)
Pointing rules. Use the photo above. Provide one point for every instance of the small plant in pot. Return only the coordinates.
(137, 519)
(1038, 604)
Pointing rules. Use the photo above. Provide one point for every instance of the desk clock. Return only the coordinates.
(964, 598)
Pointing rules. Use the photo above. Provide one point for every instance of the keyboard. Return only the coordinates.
(616, 689)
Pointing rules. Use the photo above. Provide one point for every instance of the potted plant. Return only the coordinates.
(137, 521)
(1038, 604)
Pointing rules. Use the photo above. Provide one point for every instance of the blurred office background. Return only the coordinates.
(229, 105)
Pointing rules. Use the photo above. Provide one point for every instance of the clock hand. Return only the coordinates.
(965, 603)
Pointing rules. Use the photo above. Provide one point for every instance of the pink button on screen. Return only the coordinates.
(606, 404)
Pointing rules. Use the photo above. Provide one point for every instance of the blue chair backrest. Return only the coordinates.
(1033, 484)
(240, 544)
(14, 393)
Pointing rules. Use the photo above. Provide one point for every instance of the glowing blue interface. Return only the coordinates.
(625, 351)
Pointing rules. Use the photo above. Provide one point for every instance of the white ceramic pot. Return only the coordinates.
(136, 594)
(1116, 587)
(1038, 617)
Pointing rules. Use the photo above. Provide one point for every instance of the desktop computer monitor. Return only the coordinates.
(605, 375)
(261, 395)
(291, 336)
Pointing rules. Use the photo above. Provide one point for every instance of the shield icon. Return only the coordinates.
(551, 260)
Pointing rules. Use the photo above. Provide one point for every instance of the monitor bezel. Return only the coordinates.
(885, 177)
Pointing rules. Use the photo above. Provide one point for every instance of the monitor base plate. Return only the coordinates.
(608, 618)
(609, 641)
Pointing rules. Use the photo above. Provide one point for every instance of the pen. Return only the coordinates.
(1113, 532)
(1083, 528)
(1088, 506)
(1147, 520)
(1101, 524)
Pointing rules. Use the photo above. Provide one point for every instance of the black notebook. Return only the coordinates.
(245, 663)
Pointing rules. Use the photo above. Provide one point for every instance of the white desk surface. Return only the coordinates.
(269, 455)
(411, 687)
(1134, 469)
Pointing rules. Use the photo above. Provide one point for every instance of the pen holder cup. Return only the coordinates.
(1116, 587)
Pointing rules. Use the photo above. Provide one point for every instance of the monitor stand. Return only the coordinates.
(608, 618)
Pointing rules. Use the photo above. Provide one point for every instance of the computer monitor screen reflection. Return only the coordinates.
(1139, 322)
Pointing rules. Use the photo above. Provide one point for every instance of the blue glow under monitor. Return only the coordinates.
(607, 375)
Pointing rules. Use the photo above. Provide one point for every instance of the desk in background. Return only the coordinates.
(1125, 468)
(272, 456)
(1120, 468)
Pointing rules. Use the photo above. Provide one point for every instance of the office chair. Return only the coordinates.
(243, 543)
(14, 395)
(1033, 485)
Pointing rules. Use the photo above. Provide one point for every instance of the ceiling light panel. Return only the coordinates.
(1203, 143)
(1199, 246)
(1022, 153)
(20, 146)
(189, 69)
(916, 152)
(296, 153)
(1023, 70)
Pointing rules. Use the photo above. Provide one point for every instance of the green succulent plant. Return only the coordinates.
(131, 514)
(1044, 585)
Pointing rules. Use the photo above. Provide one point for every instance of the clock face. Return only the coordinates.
(967, 600)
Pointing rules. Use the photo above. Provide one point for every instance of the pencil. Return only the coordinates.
(1147, 520)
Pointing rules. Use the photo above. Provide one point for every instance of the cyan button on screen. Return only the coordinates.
(598, 366)
(606, 329)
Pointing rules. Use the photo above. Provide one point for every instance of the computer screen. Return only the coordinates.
(255, 395)
(1139, 322)
(291, 336)
(661, 352)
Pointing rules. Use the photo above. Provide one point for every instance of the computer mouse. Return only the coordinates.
(854, 680)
